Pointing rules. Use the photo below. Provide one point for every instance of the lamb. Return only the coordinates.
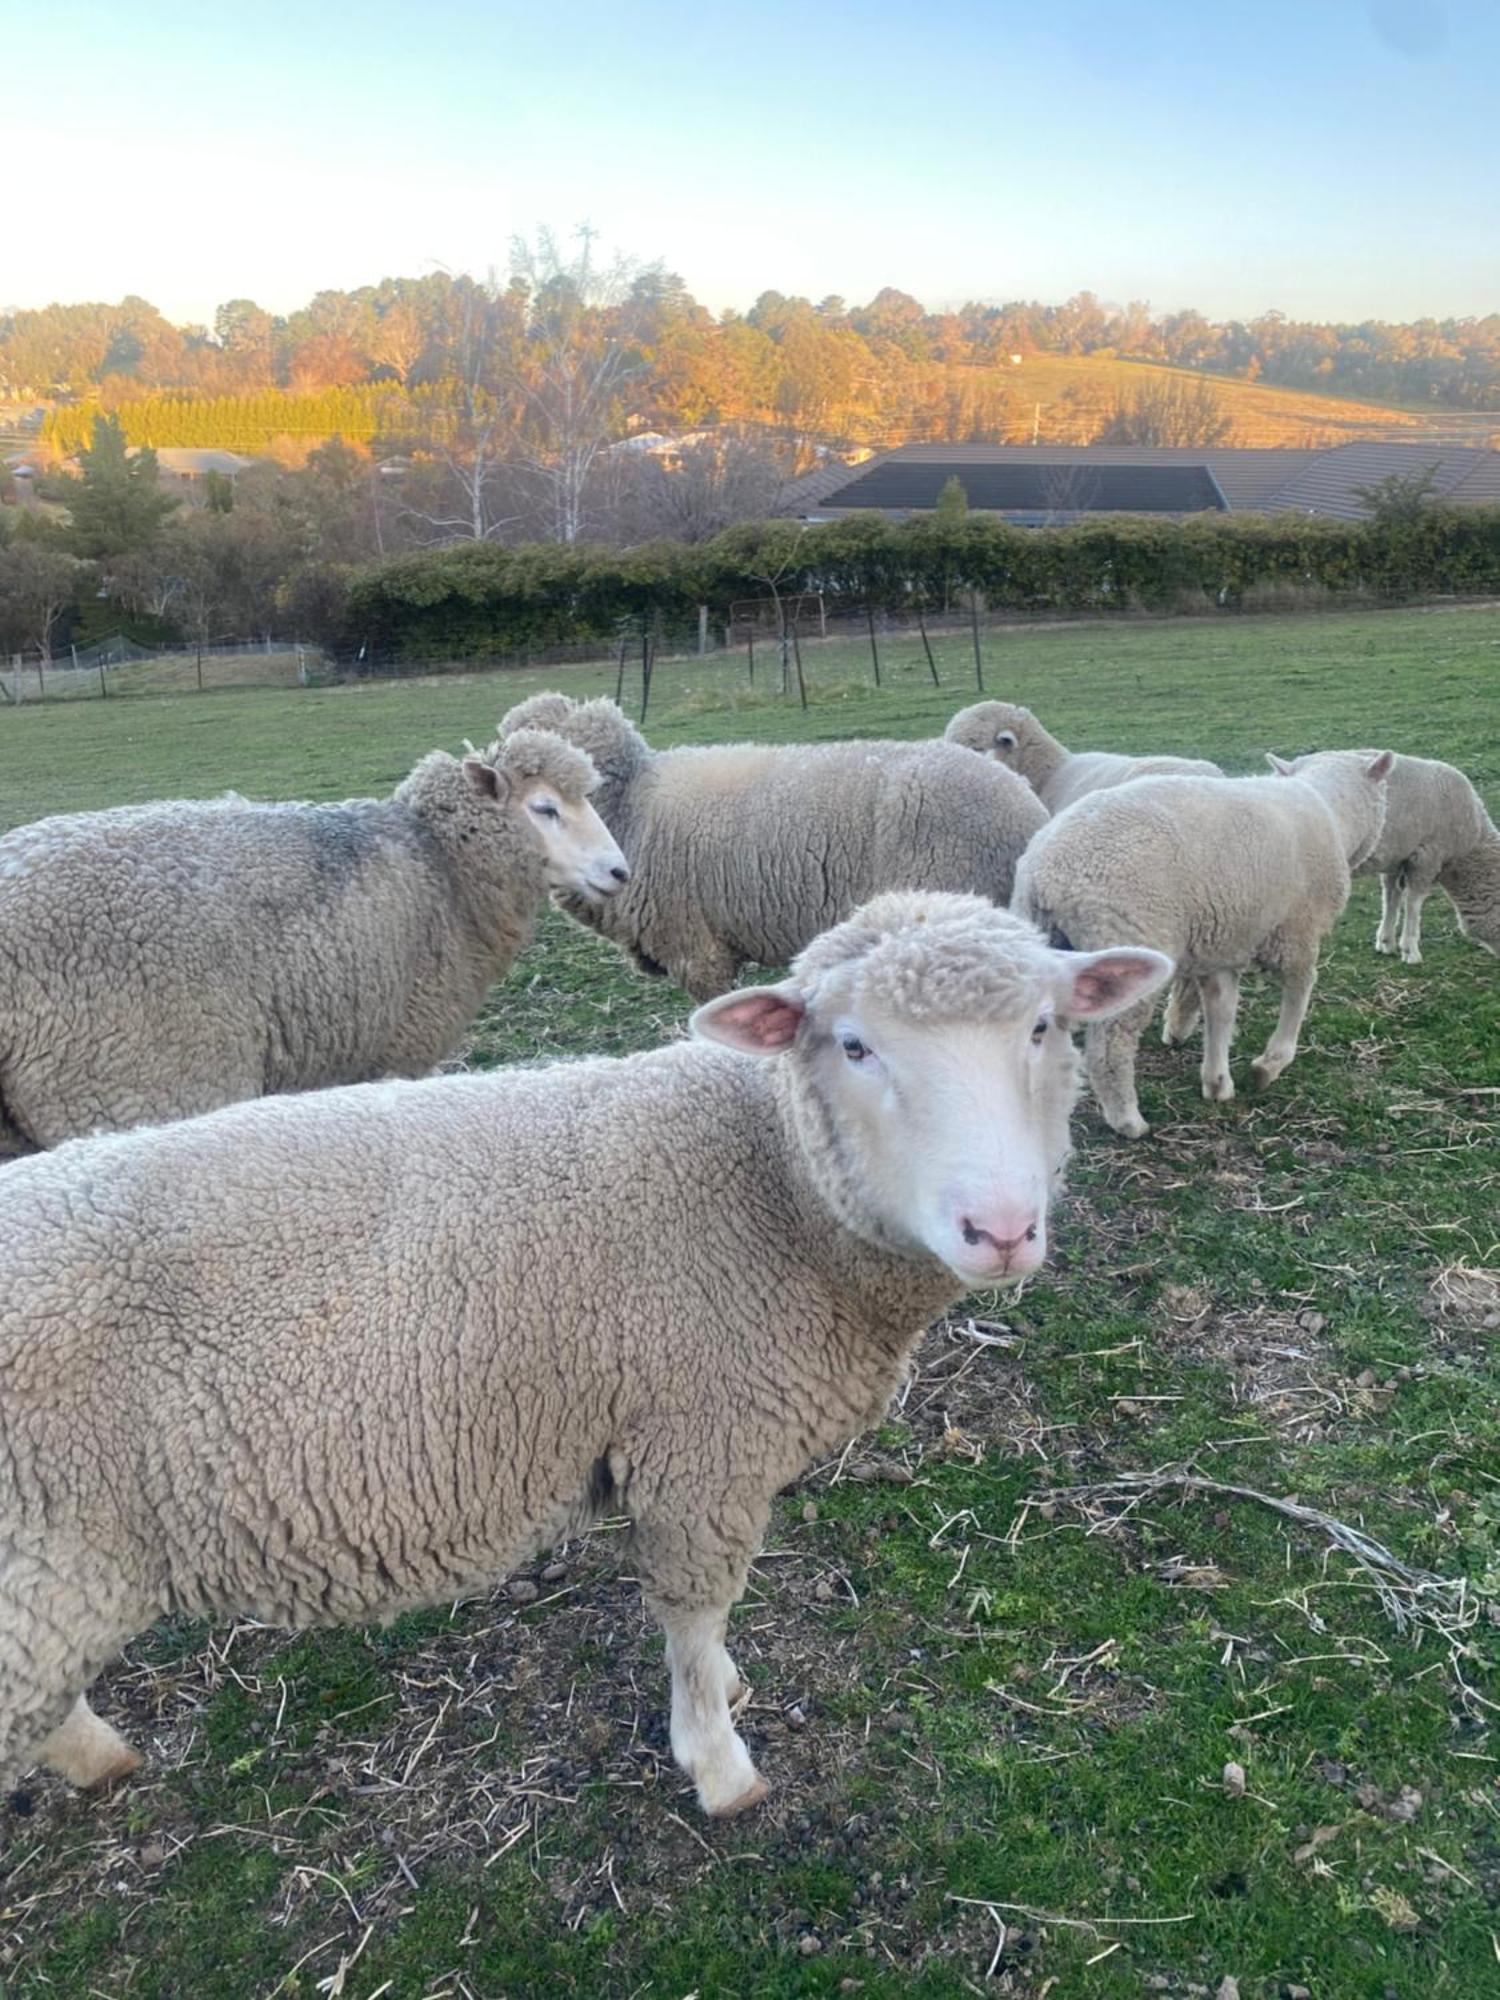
(1220, 873)
(323, 1358)
(1436, 834)
(158, 961)
(743, 853)
(1014, 738)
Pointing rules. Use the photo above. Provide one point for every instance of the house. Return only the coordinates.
(1036, 484)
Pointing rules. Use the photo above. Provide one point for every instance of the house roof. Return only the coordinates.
(1039, 484)
(1140, 478)
(190, 462)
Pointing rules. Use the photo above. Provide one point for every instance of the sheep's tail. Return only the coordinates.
(1472, 884)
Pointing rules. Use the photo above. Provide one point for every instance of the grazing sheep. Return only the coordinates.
(1220, 873)
(742, 853)
(1014, 738)
(319, 1359)
(157, 961)
(1437, 834)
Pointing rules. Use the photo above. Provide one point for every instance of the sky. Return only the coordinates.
(1335, 159)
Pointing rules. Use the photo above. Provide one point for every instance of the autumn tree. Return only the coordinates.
(1169, 411)
(37, 584)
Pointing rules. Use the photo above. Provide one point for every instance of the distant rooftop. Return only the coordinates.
(1034, 483)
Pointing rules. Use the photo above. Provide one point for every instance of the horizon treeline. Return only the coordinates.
(865, 374)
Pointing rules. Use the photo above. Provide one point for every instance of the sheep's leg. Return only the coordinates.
(1221, 999)
(704, 1739)
(64, 1612)
(1110, 1047)
(1420, 883)
(1184, 1005)
(707, 969)
(86, 1750)
(1297, 982)
(1390, 909)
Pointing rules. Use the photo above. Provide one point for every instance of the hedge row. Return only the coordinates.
(478, 599)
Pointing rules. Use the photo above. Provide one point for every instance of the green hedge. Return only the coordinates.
(478, 600)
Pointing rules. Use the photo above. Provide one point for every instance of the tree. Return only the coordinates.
(1167, 412)
(37, 584)
(1400, 497)
(581, 345)
(952, 503)
(117, 504)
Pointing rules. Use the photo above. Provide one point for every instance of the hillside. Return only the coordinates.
(1076, 392)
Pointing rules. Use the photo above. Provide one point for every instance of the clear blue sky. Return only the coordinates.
(1334, 158)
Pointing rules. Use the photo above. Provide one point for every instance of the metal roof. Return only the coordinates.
(1273, 480)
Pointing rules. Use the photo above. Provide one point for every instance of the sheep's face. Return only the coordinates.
(952, 1131)
(580, 855)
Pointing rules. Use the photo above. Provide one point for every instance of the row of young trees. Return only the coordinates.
(824, 365)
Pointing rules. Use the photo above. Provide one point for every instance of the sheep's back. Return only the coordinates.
(1204, 869)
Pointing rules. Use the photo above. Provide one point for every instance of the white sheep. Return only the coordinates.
(1220, 873)
(319, 1359)
(160, 960)
(1013, 737)
(1437, 834)
(742, 853)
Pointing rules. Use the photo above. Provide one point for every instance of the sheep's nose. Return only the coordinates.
(621, 873)
(1012, 1235)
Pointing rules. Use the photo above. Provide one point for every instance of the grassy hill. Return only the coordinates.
(1074, 391)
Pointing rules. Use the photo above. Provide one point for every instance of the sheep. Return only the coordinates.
(161, 960)
(323, 1358)
(1013, 737)
(1222, 874)
(1436, 834)
(743, 853)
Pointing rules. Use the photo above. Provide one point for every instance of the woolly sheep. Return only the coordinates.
(320, 1359)
(1013, 737)
(161, 960)
(1220, 873)
(1436, 834)
(743, 853)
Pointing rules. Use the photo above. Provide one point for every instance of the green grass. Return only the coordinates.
(949, 1705)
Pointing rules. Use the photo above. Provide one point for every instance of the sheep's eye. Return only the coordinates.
(1039, 1033)
(854, 1048)
(1005, 740)
(546, 810)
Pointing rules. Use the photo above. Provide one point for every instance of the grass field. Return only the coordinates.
(997, 1724)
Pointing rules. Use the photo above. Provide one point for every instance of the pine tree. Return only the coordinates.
(117, 503)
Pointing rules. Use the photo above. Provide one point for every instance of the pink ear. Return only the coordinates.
(1101, 983)
(1381, 768)
(757, 1020)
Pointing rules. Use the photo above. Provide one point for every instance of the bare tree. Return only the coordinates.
(580, 348)
(467, 440)
(1168, 411)
(692, 493)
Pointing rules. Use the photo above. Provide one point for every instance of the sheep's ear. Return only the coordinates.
(1097, 984)
(1280, 765)
(485, 779)
(756, 1020)
(1382, 767)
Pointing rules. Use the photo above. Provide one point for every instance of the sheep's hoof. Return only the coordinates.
(1264, 1074)
(1218, 1089)
(118, 1768)
(1387, 945)
(737, 1694)
(746, 1800)
(1133, 1126)
(1411, 958)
